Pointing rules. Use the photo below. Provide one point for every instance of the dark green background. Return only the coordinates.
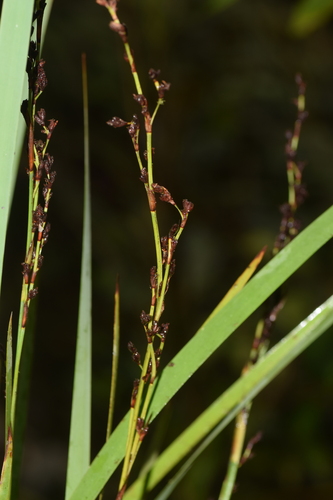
(219, 142)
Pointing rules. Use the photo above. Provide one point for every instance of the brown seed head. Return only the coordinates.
(116, 122)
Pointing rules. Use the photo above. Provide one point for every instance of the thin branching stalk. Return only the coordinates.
(39, 166)
(115, 359)
(9, 376)
(164, 248)
(289, 228)
(115, 362)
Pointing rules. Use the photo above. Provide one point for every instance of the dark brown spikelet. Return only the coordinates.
(135, 353)
(116, 122)
(187, 206)
(144, 175)
(145, 318)
(46, 232)
(139, 423)
(162, 88)
(32, 294)
(153, 277)
(38, 217)
(143, 433)
(163, 331)
(52, 125)
(163, 192)
(47, 163)
(164, 247)
(41, 80)
(134, 392)
(40, 117)
(134, 126)
(140, 98)
(154, 73)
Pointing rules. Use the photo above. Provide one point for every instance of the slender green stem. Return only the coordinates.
(137, 153)
(133, 421)
(159, 103)
(156, 231)
(132, 66)
(115, 360)
(9, 375)
(160, 300)
(137, 438)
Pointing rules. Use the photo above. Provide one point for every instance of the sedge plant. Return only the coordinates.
(85, 478)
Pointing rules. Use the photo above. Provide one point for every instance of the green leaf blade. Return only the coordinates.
(79, 442)
(15, 28)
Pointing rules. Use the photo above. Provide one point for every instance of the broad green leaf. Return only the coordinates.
(237, 395)
(309, 15)
(79, 441)
(240, 282)
(209, 337)
(21, 131)
(15, 27)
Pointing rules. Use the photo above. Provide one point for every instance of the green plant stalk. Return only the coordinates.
(133, 421)
(32, 253)
(9, 377)
(115, 360)
(133, 441)
(160, 102)
(25, 285)
(208, 338)
(294, 179)
(115, 363)
(236, 453)
(157, 238)
(143, 415)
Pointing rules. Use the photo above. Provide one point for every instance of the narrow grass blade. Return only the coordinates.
(21, 130)
(239, 394)
(239, 283)
(115, 361)
(9, 376)
(6, 473)
(79, 443)
(15, 30)
(309, 15)
(207, 340)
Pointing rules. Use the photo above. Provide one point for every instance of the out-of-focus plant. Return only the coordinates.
(309, 15)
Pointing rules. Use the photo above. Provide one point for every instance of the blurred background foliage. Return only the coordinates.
(219, 142)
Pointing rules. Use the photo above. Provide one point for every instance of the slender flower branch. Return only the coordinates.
(165, 247)
(39, 167)
(289, 228)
